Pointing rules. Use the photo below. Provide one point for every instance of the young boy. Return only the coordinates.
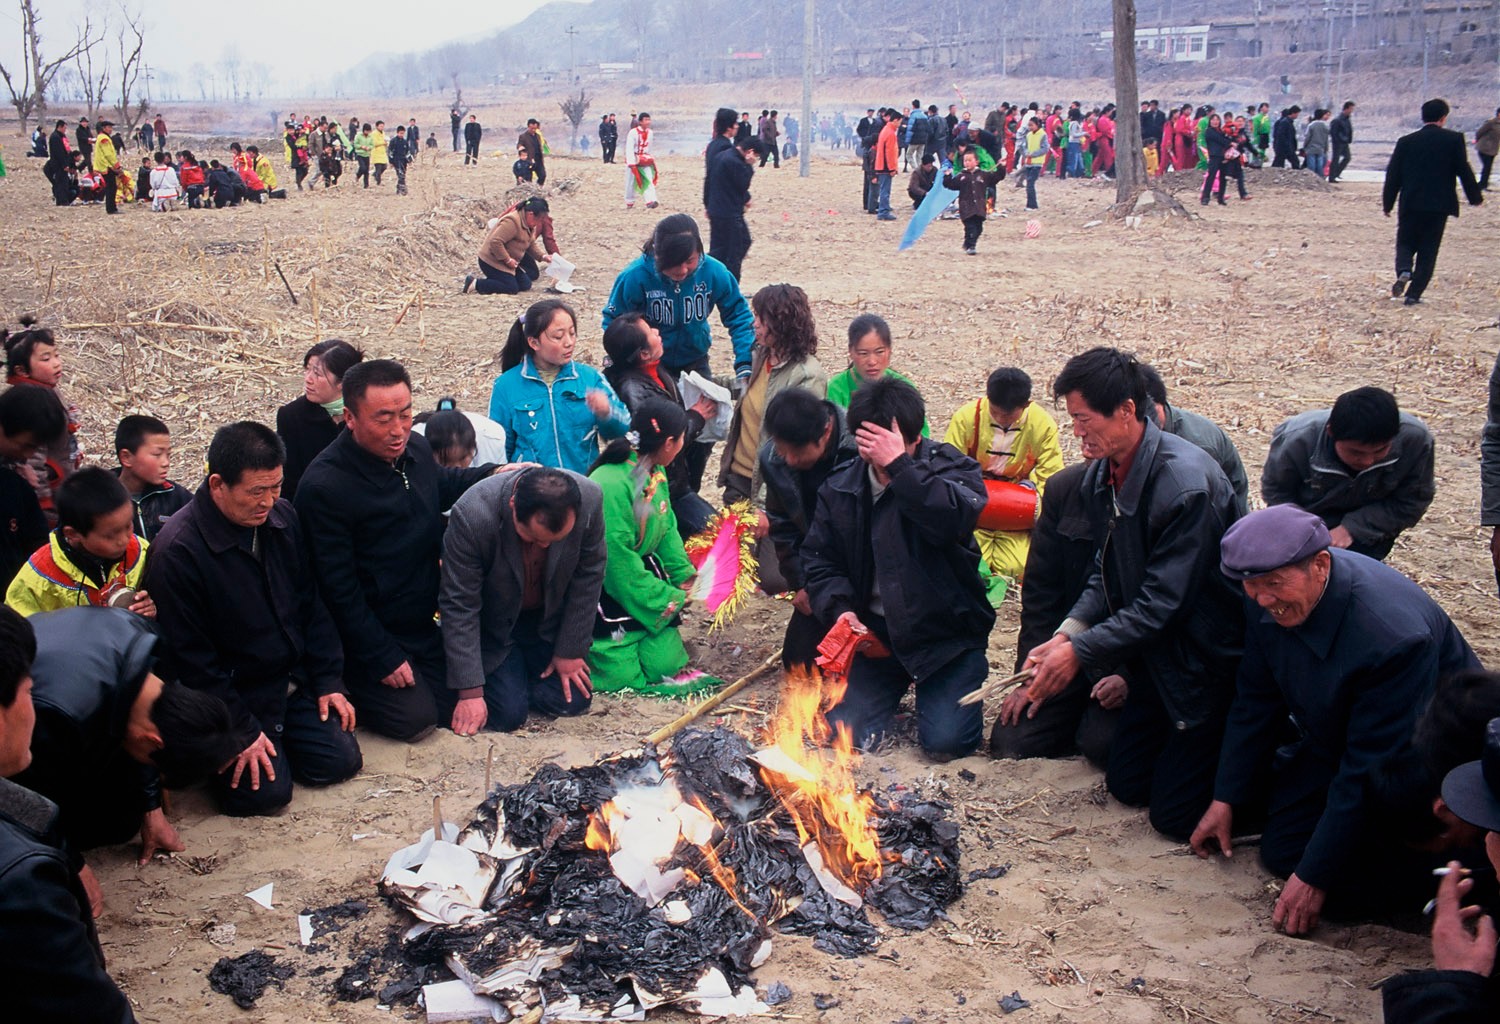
(144, 447)
(330, 167)
(523, 169)
(93, 557)
(143, 181)
(1153, 158)
(971, 185)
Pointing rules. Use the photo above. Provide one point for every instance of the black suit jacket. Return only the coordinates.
(1422, 171)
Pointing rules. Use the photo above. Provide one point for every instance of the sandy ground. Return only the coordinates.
(1254, 312)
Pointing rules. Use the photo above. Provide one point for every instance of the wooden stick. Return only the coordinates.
(402, 315)
(285, 282)
(489, 761)
(733, 688)
(437, 818)
(51, 274)
(138, 324)
(993, 688)
(421, 321)
(317, 327)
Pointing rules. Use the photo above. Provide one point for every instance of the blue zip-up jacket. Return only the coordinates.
(680, 311)
(552, 424)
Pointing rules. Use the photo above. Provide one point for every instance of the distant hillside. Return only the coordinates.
(730, 40)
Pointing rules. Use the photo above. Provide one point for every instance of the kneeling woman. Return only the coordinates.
(636, 642)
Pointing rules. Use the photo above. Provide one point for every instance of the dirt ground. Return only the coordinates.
(1253, 312)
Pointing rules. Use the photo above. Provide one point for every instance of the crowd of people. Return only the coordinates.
(1231, 671)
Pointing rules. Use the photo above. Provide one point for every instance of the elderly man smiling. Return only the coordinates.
(1338, 665)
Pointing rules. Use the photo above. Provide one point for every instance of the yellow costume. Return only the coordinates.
(50, 580)
(1028, 453)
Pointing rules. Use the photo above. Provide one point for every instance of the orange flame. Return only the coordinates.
(826, 803)
(598, 835)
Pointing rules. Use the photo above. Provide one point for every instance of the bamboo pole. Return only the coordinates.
(996, 687)
(673, 728)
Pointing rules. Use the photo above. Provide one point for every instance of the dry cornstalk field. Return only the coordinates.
(1253, 312)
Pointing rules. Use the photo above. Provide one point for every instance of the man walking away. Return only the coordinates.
(1421, 175)
(728, 198)
(1487, 143)
(399, 153)
(1341, 132)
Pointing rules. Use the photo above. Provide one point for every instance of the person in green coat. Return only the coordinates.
(869, 361)
(647, 575)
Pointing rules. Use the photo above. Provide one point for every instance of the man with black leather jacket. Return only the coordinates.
(1156, 606)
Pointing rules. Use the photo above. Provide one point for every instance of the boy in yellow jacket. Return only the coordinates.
(93, 557)
(1012, 438)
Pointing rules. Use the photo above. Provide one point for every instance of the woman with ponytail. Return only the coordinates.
(637, 645)
(633, 349)
(554, 410)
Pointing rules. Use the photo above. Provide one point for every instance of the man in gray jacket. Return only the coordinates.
(523, 564)
(1363, 466)
(1203, 432)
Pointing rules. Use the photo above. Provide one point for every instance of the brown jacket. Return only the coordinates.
(509, 241)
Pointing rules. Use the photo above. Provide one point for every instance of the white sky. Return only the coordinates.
(289, 38)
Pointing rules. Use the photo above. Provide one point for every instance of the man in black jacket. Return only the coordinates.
(30, 419)
(726, 121)
(1284, 139)
(473, 133)
(400, 153)
(727, 198)
(53, 968)
(1080, 719)
(1423, 169)
(245, 621)
(891, 553)
(1156, 608)
(806, 442)
(372, 505)
(457, 121)
(1461, 988)
(58, 161)
(1341, 135)
(609, 136)
(531, 141)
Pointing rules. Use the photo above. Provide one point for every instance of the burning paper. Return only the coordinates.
(654, 879)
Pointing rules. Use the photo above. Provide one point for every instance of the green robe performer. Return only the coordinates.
(636, 644)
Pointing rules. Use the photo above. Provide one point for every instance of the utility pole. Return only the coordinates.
(1328, 61)
(806, 131)
(1426, 38)
(572, 72)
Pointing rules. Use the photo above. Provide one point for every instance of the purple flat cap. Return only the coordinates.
(1266, 540)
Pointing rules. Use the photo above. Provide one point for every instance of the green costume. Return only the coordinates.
(1202, 143)
(841, 388)
(636, 643)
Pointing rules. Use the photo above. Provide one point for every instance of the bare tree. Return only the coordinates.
(232, 64)
(92, 66)
(574, 108)
(130, 38)
(199, 74)
(28, 89)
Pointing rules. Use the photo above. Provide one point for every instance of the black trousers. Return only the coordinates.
(1340, 161)
(364, 170)
(516, 688)
(1215, 171)
(99, 803)
(607, 148)
(1485, 163)
(111, 186)
(400, 178)
(773, 154)
(1419, 234)
(471, 151)
(539, 172)
(500, 281)
(1156, 765)
(379, 172)
(410, 712)
(800, 646)
(308, 750)
(1287, 160)
(456, 133)
(973, 228)
(729, 242)
(63, 192)
(1070, 723)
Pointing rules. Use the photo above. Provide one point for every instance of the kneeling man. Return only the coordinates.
(891, 551)
(1342, 654)
(523, 564)
(243, 615)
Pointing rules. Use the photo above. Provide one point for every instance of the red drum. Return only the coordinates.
(1010, 506)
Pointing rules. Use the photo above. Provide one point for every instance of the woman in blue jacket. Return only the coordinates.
(554, 410)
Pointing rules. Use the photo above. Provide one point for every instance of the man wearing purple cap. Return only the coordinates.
(1341, 656)
(1460, 986)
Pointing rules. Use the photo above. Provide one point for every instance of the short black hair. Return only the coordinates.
(725, 119)
(796, 416)
(197, 734)
(372, 373)
(1367, 415)
(864, 324)
(132, 432)
(1434, 110)
(751, 144)
(1106, 378)
(29, 409)
(1156, 388)
(674, 241)
(17, 652)
(88, 495)
(238, 448)
(1009, 387)
(449, 429)
(337, 356)
(546, 493)
(885, 400)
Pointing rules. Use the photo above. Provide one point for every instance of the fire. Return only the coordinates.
(598, 835)
(820, 792)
